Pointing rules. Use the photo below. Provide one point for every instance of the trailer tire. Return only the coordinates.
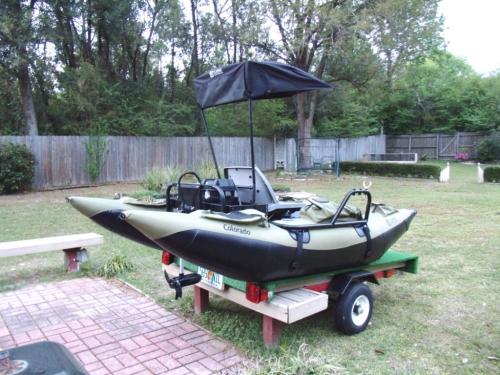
(353, 311)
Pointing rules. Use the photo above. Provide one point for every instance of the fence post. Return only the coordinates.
(274, 153)
(437, 146)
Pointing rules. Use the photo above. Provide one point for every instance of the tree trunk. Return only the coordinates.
(234, 26)
(87, 39)
(148, 43)
(303, 133)
(194, 56)
(306, 108)
(23, 76)
(172, 71)
(66, 33)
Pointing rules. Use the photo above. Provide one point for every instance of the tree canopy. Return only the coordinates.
(126, 67)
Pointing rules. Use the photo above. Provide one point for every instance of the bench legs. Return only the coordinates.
(71, 262)
(201, 300)
(271, 331)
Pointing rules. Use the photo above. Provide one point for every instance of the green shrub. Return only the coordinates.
(114, 266)
(391, 169)
(146, 195)
(206, 170)
(97, 149)
(17, 167)
(488, 149)
(158, 178)
(282, 188)
(492, 174)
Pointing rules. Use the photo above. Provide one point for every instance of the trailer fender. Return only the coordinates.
(340, 283)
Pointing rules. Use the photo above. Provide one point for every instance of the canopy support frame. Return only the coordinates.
(210, 141)
(252, 151)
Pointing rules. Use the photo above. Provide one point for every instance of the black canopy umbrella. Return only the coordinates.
(253, 80)
(248, 81)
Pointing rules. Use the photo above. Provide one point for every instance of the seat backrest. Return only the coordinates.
(242, 178)
(189, 196)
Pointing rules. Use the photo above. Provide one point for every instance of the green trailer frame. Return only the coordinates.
(391, 259)
(289, 300)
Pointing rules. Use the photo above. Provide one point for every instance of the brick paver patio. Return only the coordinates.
(112, 329)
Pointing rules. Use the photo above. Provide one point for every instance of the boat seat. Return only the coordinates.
(189, 196)
(242, 178)
(280, 210)
(248, 216)
(265, 198)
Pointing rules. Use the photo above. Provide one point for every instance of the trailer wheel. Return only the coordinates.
(353, 310)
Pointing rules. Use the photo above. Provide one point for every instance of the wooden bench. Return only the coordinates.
(72, 245)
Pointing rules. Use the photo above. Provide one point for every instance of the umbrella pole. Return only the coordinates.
(210, 142)
(252, 152)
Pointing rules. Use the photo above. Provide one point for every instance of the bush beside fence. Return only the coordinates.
(492, 174)
(17, 168)
(391, 169)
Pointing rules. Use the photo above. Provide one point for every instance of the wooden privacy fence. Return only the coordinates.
(435, 146)
(61, 160)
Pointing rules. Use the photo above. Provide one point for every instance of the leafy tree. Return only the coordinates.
(441, 94)
(403, 31)
(126, 67)
(270, 116)
(16, 51)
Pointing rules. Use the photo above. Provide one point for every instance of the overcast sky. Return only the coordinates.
(472, 30)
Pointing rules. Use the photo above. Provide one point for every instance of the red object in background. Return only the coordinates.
(255, 293)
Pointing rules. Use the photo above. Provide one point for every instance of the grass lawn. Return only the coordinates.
(445, 319)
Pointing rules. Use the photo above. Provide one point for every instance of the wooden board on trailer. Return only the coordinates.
(288, 306)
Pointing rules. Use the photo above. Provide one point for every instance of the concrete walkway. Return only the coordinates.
(112, 329)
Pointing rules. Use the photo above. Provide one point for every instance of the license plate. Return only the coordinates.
(211, 278)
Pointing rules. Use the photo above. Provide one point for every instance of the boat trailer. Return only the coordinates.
(293, 299)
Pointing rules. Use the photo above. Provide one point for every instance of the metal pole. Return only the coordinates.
(210, 142)
(252, 153)
(337, 161)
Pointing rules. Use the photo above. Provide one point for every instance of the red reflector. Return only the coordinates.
(390, 273)
(167, 258)
(255, 293)
(318, 287)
